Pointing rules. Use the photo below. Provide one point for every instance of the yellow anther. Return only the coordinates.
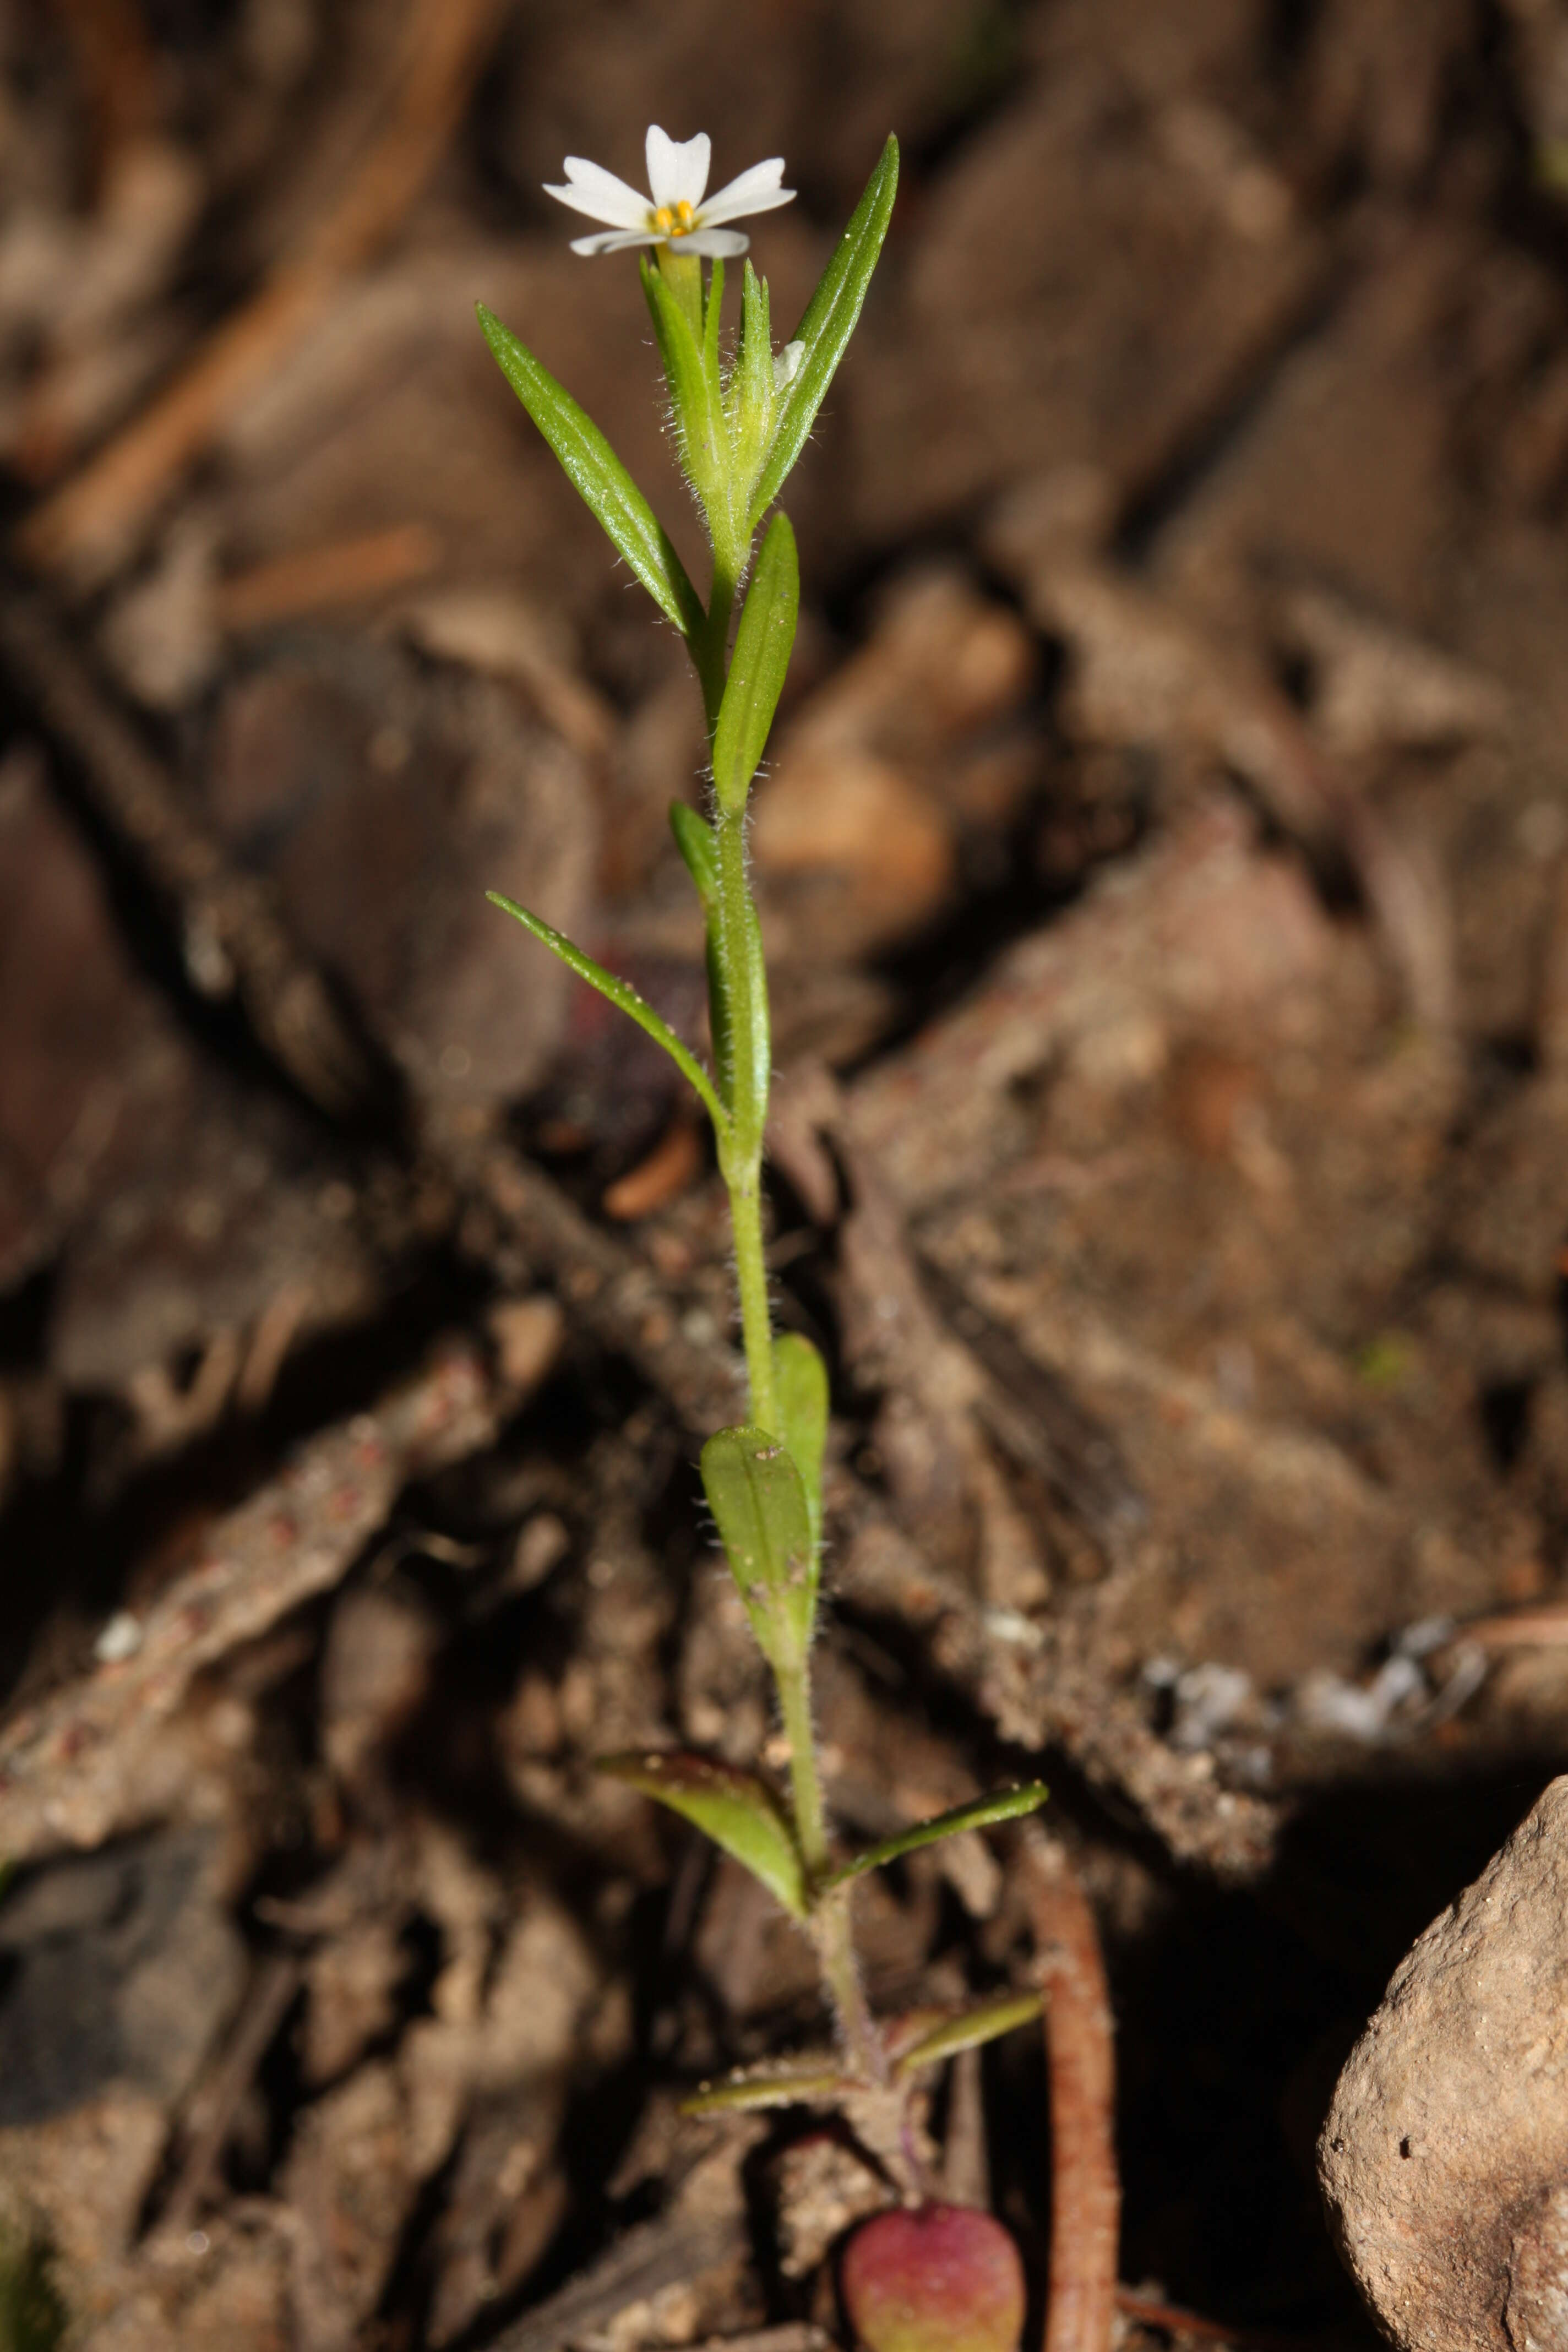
(675, 220)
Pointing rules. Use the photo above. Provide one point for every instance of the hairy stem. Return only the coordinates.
(830, 1924)
(748, 1095)
(806, 1782)
(835, 1943)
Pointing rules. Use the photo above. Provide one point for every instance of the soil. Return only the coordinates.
(1164, 863)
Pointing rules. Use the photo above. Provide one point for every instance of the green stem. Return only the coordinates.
(841, 1975)
(751, 1283)
(805, 1780)
(741, 1159)
(830, 1926)
(742, 1163)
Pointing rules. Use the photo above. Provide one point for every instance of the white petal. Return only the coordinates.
(712, 243)
(614, 240)
(787, 365)
(676, 169)
(600, 195)
(757, 191)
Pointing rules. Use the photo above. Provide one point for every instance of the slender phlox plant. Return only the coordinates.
(742, 416)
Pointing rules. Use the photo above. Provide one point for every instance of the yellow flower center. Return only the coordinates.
(675, 220)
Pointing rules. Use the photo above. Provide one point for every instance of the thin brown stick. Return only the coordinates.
(88, 528)
(343, 571)
(612, 1292)
(267, 2000)
(236, 941)
(1086, 2192)
(1523, 1629)
(118, 74)
(1175, 2319)
(74, 1768)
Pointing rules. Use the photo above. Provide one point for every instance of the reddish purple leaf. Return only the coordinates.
(939, 2279)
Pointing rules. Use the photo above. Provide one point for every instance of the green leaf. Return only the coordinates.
(763, 643)
(598, 476)
(620, 992)
(968, 2029)
(694, 839)
(698, 403)
(735, 1808)
(1007, 1805)
(758, 1497)
(806, 2081)
(800, 1386)
(829, 321)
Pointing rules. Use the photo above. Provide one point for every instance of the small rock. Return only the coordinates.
(1444, 2157)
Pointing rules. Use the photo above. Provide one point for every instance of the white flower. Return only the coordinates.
(675, 213)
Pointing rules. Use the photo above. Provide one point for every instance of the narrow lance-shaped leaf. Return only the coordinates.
(829, 323)
(1007, 1805)
(758, 1498)
(763, 643)
(803, 2082)
(598, 476)
(620, 992)
(734, 1808)
(800, 1389)
(967, 2029)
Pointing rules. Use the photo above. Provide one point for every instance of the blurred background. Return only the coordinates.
(1164, 860)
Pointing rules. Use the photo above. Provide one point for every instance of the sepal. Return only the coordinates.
(697, 402)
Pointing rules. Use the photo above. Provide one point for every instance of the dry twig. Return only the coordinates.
(343, 571)
(72, 1768)
(117, 73)
(89, 527)
(1086, 2191)
(612, 1292)
(1173, 2319)
(271, 1991)
(233, 937)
